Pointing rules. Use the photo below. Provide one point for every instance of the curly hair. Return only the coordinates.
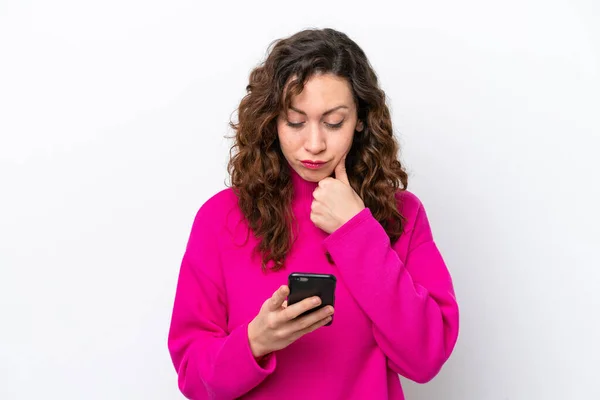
(259, 172)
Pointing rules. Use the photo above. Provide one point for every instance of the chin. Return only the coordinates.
(312, 179)
(314, 176)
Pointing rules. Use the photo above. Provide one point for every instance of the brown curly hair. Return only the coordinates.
(260, 174)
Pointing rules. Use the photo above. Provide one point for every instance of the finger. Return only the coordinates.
(296, 309)
(310, 319)
(322, 322)
(324, 182)
(276, 301)
(340, 171)
(284, 305)
(314, 206)
(314, 218)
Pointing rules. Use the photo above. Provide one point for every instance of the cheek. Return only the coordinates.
(285, 140)
(344, 141)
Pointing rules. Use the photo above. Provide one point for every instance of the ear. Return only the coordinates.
(359, 126)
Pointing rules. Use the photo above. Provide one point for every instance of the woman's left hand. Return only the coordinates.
(334, 201)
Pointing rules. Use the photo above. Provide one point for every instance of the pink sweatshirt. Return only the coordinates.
(395, 308)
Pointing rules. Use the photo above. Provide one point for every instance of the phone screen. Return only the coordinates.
(303, 285)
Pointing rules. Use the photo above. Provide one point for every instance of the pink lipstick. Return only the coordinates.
(312, 164)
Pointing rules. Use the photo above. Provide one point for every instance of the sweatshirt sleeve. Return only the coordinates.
(211, 361)
(411, 304)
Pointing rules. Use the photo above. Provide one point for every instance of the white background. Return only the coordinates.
(112, 122)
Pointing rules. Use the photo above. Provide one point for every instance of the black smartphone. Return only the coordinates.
(303, 285)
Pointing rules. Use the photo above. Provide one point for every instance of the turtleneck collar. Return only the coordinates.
(303, 191)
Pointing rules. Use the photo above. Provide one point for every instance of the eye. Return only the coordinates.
(335, 126)
(294, 124)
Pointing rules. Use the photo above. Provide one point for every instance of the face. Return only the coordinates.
(318, 129)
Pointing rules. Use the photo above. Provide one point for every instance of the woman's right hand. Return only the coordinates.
(276, 327)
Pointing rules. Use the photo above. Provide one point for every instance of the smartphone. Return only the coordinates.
(303, 285)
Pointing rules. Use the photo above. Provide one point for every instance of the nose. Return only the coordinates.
(315, 140)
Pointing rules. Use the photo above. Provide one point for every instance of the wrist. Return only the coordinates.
(257, 350)
(353, 214)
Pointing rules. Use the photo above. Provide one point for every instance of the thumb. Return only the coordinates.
(340, 171)
(276, 301)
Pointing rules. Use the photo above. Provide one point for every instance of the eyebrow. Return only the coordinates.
(325, 113)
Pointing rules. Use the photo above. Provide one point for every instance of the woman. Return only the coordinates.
(316, 187)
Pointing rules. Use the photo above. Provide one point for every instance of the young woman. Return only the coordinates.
(316, 187)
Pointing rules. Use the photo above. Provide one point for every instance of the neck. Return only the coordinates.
(303, 192)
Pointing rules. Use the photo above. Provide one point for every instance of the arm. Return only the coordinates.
(411, 304)
(211, 362)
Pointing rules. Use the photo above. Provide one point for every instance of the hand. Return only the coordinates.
(275, 326)
(335, 202)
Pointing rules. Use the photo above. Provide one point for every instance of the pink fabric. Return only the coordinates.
(395, 312)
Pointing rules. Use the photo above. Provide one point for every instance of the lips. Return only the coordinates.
(313, 164)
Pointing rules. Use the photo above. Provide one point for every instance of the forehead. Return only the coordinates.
(322, 92)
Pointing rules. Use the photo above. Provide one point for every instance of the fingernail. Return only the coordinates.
(316, 300)
(329, 310)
